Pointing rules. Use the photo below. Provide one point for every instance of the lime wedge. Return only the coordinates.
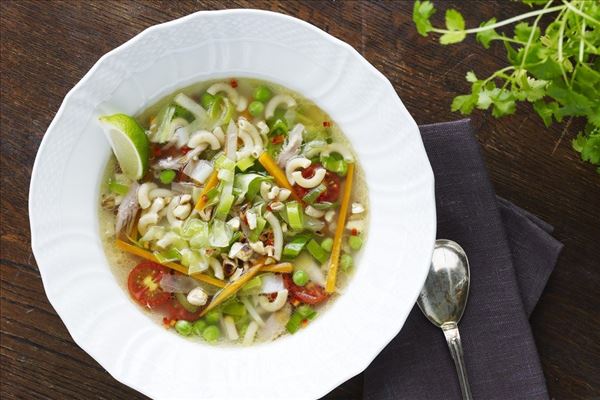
(129, 143)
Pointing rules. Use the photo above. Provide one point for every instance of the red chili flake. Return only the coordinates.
(271, 297)
(156, 151)
(233, 83)
(278, 139)
(354, 232)
(326, 124)
(304, 322)
(168, 322)
(184, 150)
(295, 302)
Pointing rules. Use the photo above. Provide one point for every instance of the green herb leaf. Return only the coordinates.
(422, 11)
(486, 37)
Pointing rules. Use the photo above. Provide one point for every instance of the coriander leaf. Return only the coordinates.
(574, 104)
(535, 89)
(588, 146)
(455, 23)
(485, 98)
(546, 110)
(523, 30)
(504, 103)
(471, 77)
(422, 12)
(485, 37)
(511, 54)
(464, 103)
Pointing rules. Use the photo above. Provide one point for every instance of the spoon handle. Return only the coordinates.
(456, 350)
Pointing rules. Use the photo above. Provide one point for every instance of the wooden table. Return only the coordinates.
(47, 46)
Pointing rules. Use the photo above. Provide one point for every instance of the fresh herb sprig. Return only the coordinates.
(558, 72)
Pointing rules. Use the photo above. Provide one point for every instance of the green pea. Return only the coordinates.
(198, 327)
(327, 244)
(211, 333)
(355, 242)
(256, 108)
(300, 278)
(166, 176)
(262, 93)
(183, 327)
(346, 262)
(212, 317)
(207, 100)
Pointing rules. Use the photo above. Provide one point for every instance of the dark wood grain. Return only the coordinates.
(47, 46)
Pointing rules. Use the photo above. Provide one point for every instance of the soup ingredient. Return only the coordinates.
(262, 93)
(309, 294)
(198, 327)
(339, 230)
(300, 278)
(197, 297)
(273, 169)
(355, 242)
(166, 176)
(183, 327)
(144, 284)
(302, 314)
(127, 211)
(256, 108)
(211, 333)
(129, 144)
(558, 72)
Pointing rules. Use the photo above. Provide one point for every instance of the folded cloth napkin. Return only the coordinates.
(511, 254)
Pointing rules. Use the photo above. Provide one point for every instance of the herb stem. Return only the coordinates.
(582, 41)
(532, 34)
(506, 21)
(561, 36)
(580, 13)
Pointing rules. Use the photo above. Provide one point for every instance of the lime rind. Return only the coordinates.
(129, 143)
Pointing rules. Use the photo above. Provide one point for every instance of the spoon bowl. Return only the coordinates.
(443, 299)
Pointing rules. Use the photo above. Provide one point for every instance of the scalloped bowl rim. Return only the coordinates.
(418, 268)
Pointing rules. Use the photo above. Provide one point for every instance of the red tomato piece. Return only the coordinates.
(175, 311)
(331, 182)
(309, 294)
(144, 284)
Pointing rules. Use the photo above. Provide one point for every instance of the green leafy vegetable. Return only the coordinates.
(558, 71)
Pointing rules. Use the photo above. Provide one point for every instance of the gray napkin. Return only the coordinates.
(511, 255)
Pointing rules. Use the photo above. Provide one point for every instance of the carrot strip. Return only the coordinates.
(213, 180)
(339, 230)
(121, 245)
(282, 268)
(276, 172)
(233, 287)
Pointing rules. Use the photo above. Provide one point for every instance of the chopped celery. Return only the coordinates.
(192, 227)
(185, 303)
(235, 309)
(294, 323)
(306, 311)
(253, 285)
(222, 162)
(327, 244)
(166, 176)
(181, 112)
(314, 194)
(278, 127)
(346, 262)
(163, 125)
(335, 163)
(167, 256)
(220, 234)
(260, 226)
(302, 313)
(295, 246)
(225, 175)
(355, 242)
(324, 205)
(118, 188)
(317, 251)
(295, 215)
(245, 163)
(224, 206)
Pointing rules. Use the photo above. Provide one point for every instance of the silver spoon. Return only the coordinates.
(443, 299)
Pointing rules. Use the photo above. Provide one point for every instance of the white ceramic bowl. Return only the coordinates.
(65, 187)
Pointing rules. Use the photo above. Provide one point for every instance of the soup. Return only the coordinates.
(232, 210)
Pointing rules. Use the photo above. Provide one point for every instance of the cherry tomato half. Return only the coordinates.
(331, 182)
(144, 284)
(173, 310)
(309, 294)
